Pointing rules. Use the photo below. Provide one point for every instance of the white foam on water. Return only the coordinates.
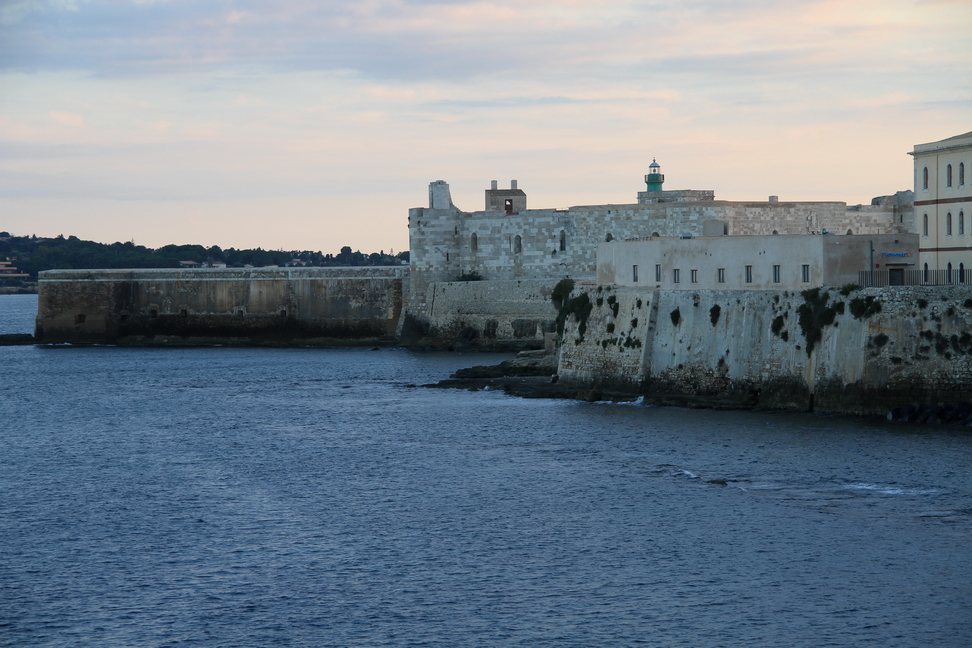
(889, 490)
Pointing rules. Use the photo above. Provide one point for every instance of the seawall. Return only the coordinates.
(514, 314)
(259, 305)
(878, 348)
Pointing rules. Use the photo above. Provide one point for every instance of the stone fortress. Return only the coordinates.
(524, 251)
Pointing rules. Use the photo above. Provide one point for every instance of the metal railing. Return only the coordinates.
(881, 278)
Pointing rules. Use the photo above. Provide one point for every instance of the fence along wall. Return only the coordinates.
(878, 348)
(254, 305)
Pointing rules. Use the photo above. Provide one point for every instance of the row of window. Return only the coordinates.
(948, 224)
(516, 243)
(948, 176)
(721, 274)
(951, 276)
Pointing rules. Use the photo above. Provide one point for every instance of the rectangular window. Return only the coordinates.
(658, 272)
(675, 277)
(721, 275)
(776, 274)
(805, 273)
(749, 274)
(695, 276)
(634, 273)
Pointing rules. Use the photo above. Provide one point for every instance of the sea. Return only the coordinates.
(220, 496)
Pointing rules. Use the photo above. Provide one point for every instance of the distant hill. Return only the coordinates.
(32, 255)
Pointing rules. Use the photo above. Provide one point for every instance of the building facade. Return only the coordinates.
(943, 208)
(791, 262)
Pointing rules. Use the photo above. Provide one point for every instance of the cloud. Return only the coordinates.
(67, 119)
(400, 40)
(205, 101)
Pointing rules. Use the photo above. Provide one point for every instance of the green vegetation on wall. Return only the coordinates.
(814, 315)
(580, 307)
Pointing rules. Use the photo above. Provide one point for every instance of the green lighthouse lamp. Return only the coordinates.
(655, 177)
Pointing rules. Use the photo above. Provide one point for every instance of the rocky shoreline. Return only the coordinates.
(16, 339)
(533, 374)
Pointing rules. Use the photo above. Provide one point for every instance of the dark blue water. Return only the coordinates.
(307, 497)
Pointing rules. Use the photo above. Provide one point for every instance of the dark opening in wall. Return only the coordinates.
(509, 205)
(239, 313)
(79, 318)
(153, 313)
(184, 313)
(123, 317)
(283, 312)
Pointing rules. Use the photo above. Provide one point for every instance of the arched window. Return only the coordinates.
(961, 173)
(948, 176)
(961, 223)
(925, 274)
(655, 234)
(563, 240)
(849, 232)
(609, 237)
(948, 224)
(517, 244)
(924, 225)
(924, 178)
(474, 242)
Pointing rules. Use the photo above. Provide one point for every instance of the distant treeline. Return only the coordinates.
(31, 255)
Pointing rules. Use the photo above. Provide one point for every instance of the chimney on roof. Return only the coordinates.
(512, 184)
(492, 185)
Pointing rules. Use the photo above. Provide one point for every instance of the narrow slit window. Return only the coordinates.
(805, 273)
(749, 274)
(658, 272)
(776, 274)
(634, 274)
(676, 278)
(695, 276)
(721, 275)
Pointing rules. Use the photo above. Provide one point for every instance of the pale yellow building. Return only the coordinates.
(943, 208)
(786, 262)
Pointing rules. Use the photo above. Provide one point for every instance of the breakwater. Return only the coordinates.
(247, 306)
(860, 351)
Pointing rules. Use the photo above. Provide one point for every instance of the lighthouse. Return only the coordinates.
(655, 177)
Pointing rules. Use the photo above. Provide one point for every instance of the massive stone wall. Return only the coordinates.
(878, 348)
(248, 305)
(487, 313)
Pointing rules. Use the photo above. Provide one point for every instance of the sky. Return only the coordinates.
(300, 125)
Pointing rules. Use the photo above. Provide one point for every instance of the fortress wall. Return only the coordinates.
(442, 247)
(612, 350)
(256, 305)
(917, 349)
(488, 311)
